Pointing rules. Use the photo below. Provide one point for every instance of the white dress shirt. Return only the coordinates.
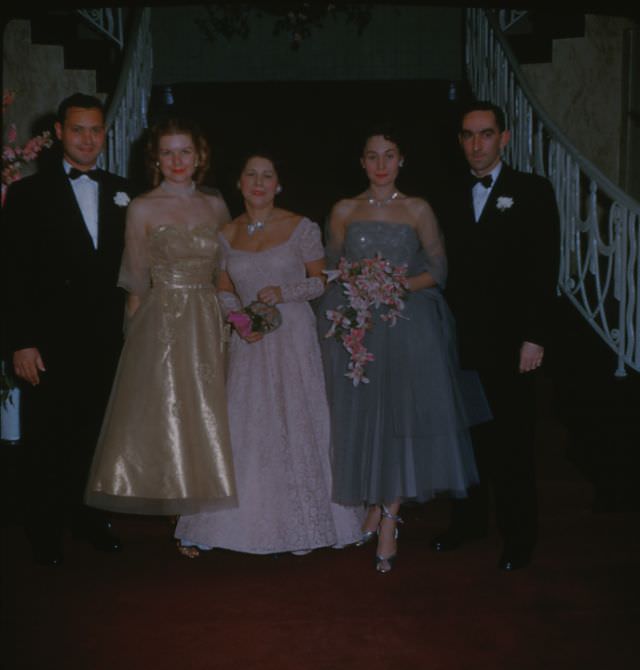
(86, 192)
(481, 192)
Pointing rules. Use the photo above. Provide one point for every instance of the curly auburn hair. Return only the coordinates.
(177, 126)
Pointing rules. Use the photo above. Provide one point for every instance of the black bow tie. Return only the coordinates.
(486, 181)
(74, 173)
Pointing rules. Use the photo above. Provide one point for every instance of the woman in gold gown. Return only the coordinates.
(164, 445)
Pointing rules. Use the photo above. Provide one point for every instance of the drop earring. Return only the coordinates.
(278, 189)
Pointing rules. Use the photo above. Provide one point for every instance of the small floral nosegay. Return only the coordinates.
(258, 317)
(504, 202)
(121, 199)
(367, 283)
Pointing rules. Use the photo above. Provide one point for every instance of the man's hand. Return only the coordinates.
(530, 356)
(27, 364)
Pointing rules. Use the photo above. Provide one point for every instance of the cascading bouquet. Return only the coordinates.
(258, 317)
(367, 283)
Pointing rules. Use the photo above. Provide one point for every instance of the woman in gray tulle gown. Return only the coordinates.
(278, 412)
(401, 433)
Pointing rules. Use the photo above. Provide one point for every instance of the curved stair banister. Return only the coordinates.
(600, 224)
(107, 21)
(127, 107)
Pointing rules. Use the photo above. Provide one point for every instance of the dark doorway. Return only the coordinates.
(317, 131)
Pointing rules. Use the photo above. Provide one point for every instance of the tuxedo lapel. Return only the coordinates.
(71, 215)
(103, 212)
(500, 188)
(111, 217)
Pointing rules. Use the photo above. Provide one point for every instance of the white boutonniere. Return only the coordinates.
(121, 199)
(504, 202)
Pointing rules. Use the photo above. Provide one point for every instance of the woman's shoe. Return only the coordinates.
(189, 552)
(384, 564)
(368, 535)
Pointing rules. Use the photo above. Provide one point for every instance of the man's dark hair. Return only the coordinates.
(79, 100)
(484, 106)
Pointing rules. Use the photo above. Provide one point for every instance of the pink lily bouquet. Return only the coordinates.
(366, 284)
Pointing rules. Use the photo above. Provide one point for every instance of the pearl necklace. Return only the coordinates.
(379, 203)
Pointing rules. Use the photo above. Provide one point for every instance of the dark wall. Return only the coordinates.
(317, 130)
(399, 41)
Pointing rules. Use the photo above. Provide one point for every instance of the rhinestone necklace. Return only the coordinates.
(379, 203)
(255, 226)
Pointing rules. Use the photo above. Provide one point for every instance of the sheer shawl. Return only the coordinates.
(433, 258)
(135, 270)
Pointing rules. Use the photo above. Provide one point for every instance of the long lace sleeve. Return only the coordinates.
(432, 245)
(310, 241)
(311, 249)
(135, 275)
(229, 302)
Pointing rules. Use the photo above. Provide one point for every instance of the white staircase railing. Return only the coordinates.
(600, 224)
(128, 106)
(107, 21)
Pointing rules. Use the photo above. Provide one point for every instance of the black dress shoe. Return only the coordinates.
(447, 541)
(100, 535)
(452, 539)
(515, 558)
(48, 553)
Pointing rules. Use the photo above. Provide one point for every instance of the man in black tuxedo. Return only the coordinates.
(63, 236)
(501, 233)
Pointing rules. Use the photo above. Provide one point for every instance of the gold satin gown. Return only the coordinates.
(164, 445)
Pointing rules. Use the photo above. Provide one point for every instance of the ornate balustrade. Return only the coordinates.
(128, 105)
(600, 224)
(107, 21)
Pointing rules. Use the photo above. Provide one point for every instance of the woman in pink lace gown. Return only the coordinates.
(278, 411)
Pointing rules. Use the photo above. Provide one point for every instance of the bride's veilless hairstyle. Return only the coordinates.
(177, 126)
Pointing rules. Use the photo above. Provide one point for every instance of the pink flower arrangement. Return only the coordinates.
(14, 155)
(258, 317)
(14, 158)
(367, 284)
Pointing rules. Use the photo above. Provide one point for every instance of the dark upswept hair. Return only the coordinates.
(79, 100)
(386, 130)
(484, 106)
(260, 151)
(177, 126)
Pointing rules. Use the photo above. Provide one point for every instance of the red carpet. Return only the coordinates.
(575, 607)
